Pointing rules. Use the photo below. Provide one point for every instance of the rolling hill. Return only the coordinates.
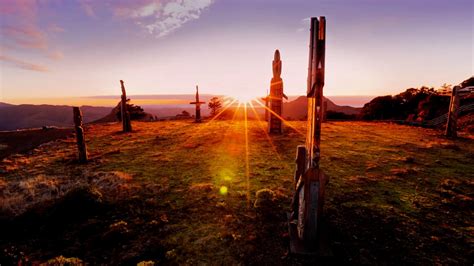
(24, 116)
(298, 108)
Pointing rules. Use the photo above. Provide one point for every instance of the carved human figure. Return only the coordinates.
(276, 96)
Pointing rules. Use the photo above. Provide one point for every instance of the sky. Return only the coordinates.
(76, 48)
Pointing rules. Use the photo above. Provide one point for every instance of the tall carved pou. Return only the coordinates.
(307, 234)
(276, 97)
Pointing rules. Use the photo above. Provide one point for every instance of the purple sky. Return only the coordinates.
(59, 48)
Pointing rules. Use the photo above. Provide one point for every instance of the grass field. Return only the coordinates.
(177, 192)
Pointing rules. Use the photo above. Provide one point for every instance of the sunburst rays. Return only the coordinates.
(281, 118)
(238, 143)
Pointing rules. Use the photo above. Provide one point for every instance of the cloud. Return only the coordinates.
(21, 31)
(18, 24)
(304, 25)
(137, 9)
(55, 28)
(56, 55)
(157, 17)
(160, 17)
(22, 64)
(88, 7)
(26, 36)
(27, 8)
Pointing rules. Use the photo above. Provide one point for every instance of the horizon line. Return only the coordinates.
(177, 94)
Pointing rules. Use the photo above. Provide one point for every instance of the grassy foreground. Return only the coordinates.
(183, 193)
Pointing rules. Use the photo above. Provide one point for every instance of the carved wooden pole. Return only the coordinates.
(300, 169)
(276, 96)
(198, 103)
(305, 222)
(81, 142)
(451, 124)
(266, 109)
(126, 123)
(300, 162)
(315, 90)
(325, 110)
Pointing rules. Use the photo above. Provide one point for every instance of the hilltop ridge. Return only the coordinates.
(24, 116)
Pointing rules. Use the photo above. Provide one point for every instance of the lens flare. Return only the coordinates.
(223, 190)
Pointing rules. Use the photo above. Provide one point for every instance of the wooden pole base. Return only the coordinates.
(321, 248)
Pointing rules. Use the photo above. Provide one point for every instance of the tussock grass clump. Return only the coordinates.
(78, 202)
(264, 200)
(117, 232)
(19, 195)
(146, 263)
(201, 187)
(63, 261)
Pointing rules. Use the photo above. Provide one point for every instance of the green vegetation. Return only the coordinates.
(215, 105)
(136, 112)
(413, 104)
(180, 192)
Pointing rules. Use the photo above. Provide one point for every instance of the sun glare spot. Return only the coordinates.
(223, 190)
(245, 98)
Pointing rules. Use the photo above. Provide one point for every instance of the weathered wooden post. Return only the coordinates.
(198, 103)
(125, 114)
(276, 96)
(300, 162)
(325, 110)
(451, 124)
(306, 233)
(80, 139)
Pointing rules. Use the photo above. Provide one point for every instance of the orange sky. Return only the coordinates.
(78, 101)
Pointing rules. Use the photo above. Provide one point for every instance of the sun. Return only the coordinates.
(245, 98)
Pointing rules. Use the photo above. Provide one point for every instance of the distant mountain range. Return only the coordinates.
(298, 108)
(25, 116)
(33, 116)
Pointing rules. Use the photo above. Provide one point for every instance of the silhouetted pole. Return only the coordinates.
(451, 124)
(315, 90)
(80, 139)
(198, 103)
(325, 111)
(276, 96)
(126, 123)
(306, 233)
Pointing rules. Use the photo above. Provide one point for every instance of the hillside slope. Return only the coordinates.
(113, 115)
(33, 116)
(298, 108)
(172, 192)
